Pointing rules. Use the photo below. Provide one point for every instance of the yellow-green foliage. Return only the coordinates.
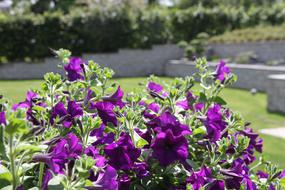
(260, 33)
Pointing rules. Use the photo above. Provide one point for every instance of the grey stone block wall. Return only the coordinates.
(276, 93)
(131, 63)
(125, 63)
(249, 76)
(266, 51)
(21, 70)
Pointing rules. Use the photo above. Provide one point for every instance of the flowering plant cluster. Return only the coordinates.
(83, 132)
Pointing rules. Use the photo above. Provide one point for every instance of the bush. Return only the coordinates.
(110, 28)
(32, 35)
(254, 34)
(80, 132)
(150, 27)
(196, 47)
(188, 23)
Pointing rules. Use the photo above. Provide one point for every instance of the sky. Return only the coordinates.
(8, 3)
(5, 4)
(166, 2)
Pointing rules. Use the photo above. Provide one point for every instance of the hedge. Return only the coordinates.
(32, 35)
(190, 22)
(110, 29)
(254, 34)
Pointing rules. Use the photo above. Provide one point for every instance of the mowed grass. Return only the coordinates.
(252, 107)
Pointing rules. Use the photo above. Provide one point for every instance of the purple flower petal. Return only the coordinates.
(74, 70)
(116, 98)
(3, 118)
(107, 180)
(122, 154)
(106, 113)
(168, 148)
(222, 71)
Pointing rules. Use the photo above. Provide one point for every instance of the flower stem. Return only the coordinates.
(41, 174)
(12, 160)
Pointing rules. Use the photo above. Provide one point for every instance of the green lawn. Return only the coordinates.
(253, 108)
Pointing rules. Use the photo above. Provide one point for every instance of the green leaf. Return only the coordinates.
(192, 164)
(203, 97)
(55, 183)
(88, 183)
(39, 108)
(220, 100)
(9, 187)
(282, 182)
(199, 130)
(2, 146)
(16, 125)
(139, 142)
(28, 147)
(5, 177)
(110, 128)
(27, 166)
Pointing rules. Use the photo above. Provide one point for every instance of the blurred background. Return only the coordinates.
(137, 38)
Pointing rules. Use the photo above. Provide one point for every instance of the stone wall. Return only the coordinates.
(266, 51)
(131, 63)
(249, 76)
(125, 63)
(276, 93)
(21, 70)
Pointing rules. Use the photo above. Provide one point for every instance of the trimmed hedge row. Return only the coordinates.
(190, 22)
(109, 30)
(97, 31)
(253, 34)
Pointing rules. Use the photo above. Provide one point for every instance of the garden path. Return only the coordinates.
(277, 132)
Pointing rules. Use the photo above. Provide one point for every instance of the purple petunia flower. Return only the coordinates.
(168, 148)
(106, 113)
(183, 104)
(3, 118)
(66, 115)
(87, 101)
(46, 179)
(102, 137)
(199, 106)
(94, 153)
(255, 142)
(168, 121)
(200, 178)
(74, 69)
(222, 71)
(106, 180)
(147, 135)
(217, 185)
(116, 98)
(151, 110)
(124, 182)
(248, 157)
(65, 149)
(156, 88)
(238, 174)
(122, 154)
(214, 123)
(262, 174)
(30, 96)
(282, 175)
(31, 100)
(189, 103)
(141, 169)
